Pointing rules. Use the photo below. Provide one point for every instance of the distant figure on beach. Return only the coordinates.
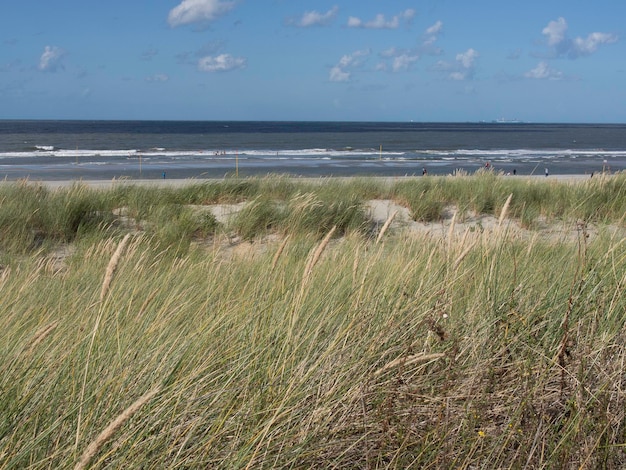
(424, 172)
(163, 175)
(488, 165)
(514, 171)
(546, 172)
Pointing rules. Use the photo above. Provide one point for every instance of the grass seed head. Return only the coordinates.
(110, 271)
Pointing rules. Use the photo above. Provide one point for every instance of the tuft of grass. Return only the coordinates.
(317, 213)
(32, 216)
(424, 198)
(257, 218)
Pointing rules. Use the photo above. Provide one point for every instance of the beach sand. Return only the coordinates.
(180, 182)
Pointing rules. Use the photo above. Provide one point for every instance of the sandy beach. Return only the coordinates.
(180, 182)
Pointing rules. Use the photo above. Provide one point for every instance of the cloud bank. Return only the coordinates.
(562, 46)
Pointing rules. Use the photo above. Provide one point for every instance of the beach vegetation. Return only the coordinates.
(323, 348)
(257, 218)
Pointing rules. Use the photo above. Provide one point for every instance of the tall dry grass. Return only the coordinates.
(480, 350)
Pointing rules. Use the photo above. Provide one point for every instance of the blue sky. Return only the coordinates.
(367, 60)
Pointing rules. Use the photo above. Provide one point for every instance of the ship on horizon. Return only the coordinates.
(507, 121)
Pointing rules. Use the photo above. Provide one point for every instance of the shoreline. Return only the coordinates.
(181, 182)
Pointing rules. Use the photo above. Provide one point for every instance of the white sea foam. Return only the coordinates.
(321, 153)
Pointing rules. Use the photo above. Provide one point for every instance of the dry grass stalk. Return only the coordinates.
(359, 296)
(313, 260)
(463, 255)
(146, 302)
(464, 239)
(355, 265)
(42, 334)
(504, 210)
(451, 232)
(409, 360)
(531, 244)
(430, 260)
(95, 445)
(4, 274)
(108, 277)
(279, 252)
(318, 252)
(386, 226)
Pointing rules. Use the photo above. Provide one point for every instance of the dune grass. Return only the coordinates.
(483, 350)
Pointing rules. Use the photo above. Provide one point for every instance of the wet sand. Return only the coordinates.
(107, 169)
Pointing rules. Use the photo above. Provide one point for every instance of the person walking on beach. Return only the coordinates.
(546, 172)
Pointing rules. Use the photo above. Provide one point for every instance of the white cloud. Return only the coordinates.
(544, 72)
(556, 33)
(341, 72)
(52, 59)
(408, 14)
(380, 22)
(158, 77)
(403, 62)
(221, 63)
(315, 18)
(467, 58)
(198, 11)
(590, 44)
(354, 59)
(463, 68)
(400, 59)
(391, 52)
(354, 22)
(459, 76)
(430, 38)
(337, 74)
(435, 29)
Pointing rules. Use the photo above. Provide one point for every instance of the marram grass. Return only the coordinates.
(478, 350)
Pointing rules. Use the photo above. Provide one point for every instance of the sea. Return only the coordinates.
(98, 150)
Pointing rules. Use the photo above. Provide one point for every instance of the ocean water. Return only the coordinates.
(213, 149)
